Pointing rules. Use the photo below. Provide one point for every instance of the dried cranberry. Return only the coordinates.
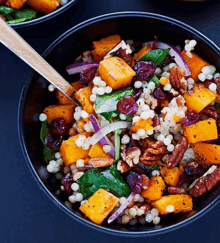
(159, 93)
(135, 182)
(156, 121)
(137, 93)
(183, 179)
(67, 182)
(141, 169)
(59, 127)
(127, 106)
(88, 74)
(53, 142)
(144, 70)
(191, 118)
(123, 55)
(196, 172)
(166, 61)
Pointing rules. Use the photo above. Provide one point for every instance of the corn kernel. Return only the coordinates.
(163, 80)
(176, 118)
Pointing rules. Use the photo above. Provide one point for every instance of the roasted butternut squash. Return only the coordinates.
(155, 189)
(181, 203)
(195, 64)
(70, 152)
(17, 4)
(142, 124)
(116, 72)
(103, 46)
(57, 111)
(199, 98)
(44, 6)
(97, 151)
(83, 96)
(142, 52)
(170, 176)
(99, 205)
(201, 131)
(207, 153)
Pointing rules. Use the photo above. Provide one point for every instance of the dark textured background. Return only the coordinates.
(27, 215)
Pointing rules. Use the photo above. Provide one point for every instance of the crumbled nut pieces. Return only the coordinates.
(211, 111)
(180, 101)
(146, 182)
(101, 162)
(177, 79)
(144, 206)
(77, 175)
(151, 101)
(130, 155)
(176, 190)
(206, 183)
(123, 167)
(154, 153)
(178, 153)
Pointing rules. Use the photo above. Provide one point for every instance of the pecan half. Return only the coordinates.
(154, 153)
(180, 101)
(130, 155)
(101, 162)
(176, 190)
(178, 153)
(177, 79)
(211, 111)
(144, 206)
(206, 183)
(123, 167)
(146, 182)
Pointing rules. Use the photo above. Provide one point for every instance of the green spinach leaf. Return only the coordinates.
(6, 10)
(22, 15)
(155, 79)
(109, 179)
(156, 56)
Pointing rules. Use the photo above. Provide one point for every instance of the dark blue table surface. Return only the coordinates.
(27, 215)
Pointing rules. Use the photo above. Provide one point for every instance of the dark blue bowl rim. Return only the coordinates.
(27, 158)
(45, 17)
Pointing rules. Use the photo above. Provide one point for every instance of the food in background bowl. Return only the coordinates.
(18, 11)
(143, 142)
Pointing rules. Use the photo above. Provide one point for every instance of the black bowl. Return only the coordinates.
(35, 97)
(45, 17)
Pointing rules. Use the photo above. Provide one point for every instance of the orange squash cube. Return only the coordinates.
(17, 4)
(116, 72)
(142, 124)
(198, 98)
(70, 152)
(181, 203)
(142, 52)
(96, 151)
(44, 6)
(170, 176)
(201, 131)
(195, 64)
(99, 205)
(57, 111)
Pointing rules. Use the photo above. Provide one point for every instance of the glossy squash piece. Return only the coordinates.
(44, 6)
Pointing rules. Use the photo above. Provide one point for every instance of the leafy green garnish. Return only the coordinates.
(117, 144)
(155, 79)
(14, 16)
(49, 154)
(109, 179)
(156, 56)
(108, 102)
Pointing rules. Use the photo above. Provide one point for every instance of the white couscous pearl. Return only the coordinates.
(216, 75)
(146, 91)
(93, 97)
(151, 85)
(82, 202)
(161, 137)
(125, 139)
(96, 80)
(135, 119)
(108, 89)
(122, 200)
(79, 163)
(167, 141)
(137, 197)
(95, 90)
(125, 219)
(141, 132)
(156, 220)
(188, 47)
(212, 69)
(133, 212)
(145, 108)
(209, 76)
(122, 117)
(169, 208)
(170, 147)
(158, 70)
(202, 77)
(166, 68)
(79, 197)
(84, 114)
(141, 199)
(154, 212)
(149, 217)
(50, 168)
(101, 91)
(138, 84)
(155, 173)
(102, 84)
(57, 155)
(135, 136)
(72, 199)
(150, 132)
(42, 117)
(192, 43)
(144, 84)
(66, 170)
(171, 65)
(144, 115)
(51, 88)
(213, 87)
(107, 148)
(190, 86)
(167, 87)
(75, 187)
(190, 81)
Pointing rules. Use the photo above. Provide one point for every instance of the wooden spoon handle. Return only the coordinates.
(22, 49)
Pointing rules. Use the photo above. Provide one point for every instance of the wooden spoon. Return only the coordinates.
(22, 49)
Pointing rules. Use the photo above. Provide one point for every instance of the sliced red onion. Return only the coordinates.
(121, 208)
(106, 130)
(173, 52)
(78, 67)
(103, 141)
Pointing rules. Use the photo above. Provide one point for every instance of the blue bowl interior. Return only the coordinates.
(35, 97)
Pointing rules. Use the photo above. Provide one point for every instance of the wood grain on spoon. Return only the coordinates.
(11, 39)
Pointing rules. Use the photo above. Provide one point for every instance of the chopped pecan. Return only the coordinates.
(146, 182)
(101, 162)
(130, 155)
(176, 190)
(177, 79)
(123, 167)
(144, 206)
(151, 101)
(156, 121)
(217, 81)
(178, 153)
(206, 183)
(180, 101)
(211, 111)
(153, 153)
